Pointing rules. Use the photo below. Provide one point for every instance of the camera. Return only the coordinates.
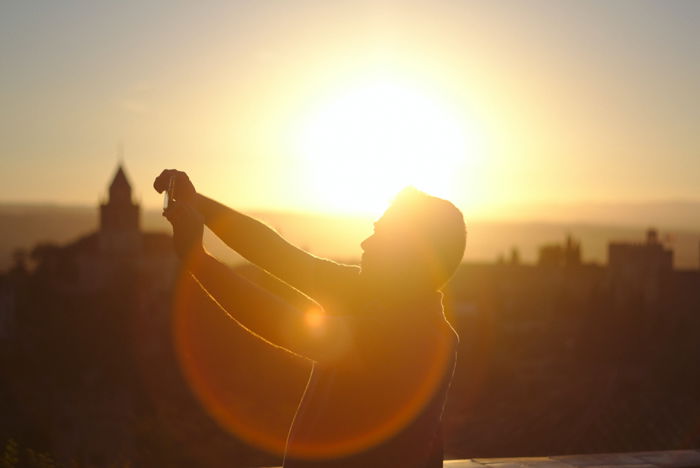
(169, 193)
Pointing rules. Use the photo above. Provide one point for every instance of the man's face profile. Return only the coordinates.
(390, 249)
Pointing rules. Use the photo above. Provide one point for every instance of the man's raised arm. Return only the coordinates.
(262, 245)
(255, 240)
(320, 338)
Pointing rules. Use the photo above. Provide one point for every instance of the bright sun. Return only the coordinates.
(377, 136)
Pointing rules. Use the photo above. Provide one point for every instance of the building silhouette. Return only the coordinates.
(116, 251)
(650, 257)
(94, 312)
(567, 254)
(638, 269)
(119, 231)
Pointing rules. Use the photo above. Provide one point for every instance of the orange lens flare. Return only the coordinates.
(314, 319)
(252, 389)
(219, 360)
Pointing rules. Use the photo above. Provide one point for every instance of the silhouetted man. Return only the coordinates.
(383, 353)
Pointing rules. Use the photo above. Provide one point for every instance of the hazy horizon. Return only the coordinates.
(670, 213)
(339, 236)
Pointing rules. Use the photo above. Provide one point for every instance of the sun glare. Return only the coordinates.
(370, 140)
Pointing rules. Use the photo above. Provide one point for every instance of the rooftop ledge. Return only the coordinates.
(667, 458)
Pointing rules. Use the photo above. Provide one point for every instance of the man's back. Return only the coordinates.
(381, 403)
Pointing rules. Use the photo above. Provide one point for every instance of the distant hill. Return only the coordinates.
(670, 215)
(23, 226)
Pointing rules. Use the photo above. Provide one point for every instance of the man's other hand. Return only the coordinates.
(188, 229)
(184, 190)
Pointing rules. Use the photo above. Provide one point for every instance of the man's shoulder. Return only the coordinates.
(334, 283)
(330, 270)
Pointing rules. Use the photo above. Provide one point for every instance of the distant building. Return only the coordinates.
(638, 268)
(636, 259)
(566, 255)
(10, 282)
(93, 273)
(118, 247)
(119, 218)
(7, 307)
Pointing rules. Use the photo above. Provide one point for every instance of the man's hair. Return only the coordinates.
(438, 229)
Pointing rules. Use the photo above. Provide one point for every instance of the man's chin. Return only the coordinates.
(369, 273)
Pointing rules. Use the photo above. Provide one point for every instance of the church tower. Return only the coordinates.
(119, 218)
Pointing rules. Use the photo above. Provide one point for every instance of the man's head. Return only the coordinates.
(419, 240)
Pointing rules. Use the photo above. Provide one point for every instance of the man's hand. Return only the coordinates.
(188, 229)
(184, 190)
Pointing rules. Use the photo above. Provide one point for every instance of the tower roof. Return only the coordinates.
(120, 181)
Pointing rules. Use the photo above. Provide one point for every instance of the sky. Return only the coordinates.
(334, 106)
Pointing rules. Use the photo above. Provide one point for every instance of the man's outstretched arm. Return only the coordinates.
(255, 240)
(306, 333)
(309, 334)
(262, 245)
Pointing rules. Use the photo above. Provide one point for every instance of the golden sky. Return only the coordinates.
(334, 106)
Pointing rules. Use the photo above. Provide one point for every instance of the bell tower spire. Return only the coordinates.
(119, 216)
